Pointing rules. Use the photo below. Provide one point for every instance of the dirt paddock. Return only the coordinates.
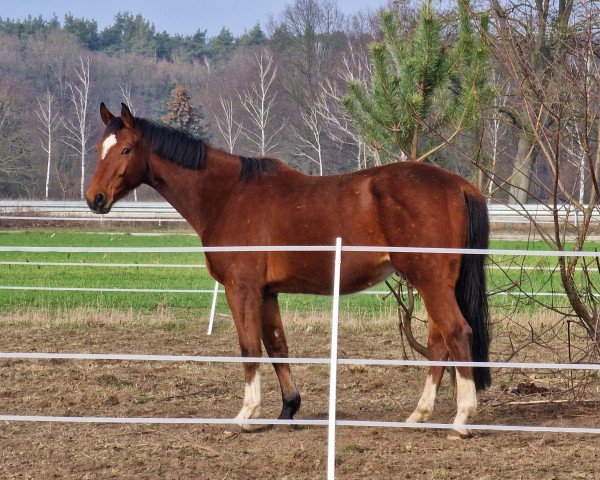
(151, 389)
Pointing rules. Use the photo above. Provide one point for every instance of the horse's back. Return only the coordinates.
(405, 204)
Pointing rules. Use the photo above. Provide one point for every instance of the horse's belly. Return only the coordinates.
(364, 273)
(359, 271)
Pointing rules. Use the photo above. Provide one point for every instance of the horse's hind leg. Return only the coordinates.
(440, 302)
(436, 351)
(276, 346)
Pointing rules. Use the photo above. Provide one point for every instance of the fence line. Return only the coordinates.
(100, 219)
(184, 265)
(102, 289)
(119, 265)
(160, 290)
(299, 422)
(332, 422)
(372, 362)
(300, 248)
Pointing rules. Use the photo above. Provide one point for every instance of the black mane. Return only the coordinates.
(174, 145)
(188, 151)
(257, 168)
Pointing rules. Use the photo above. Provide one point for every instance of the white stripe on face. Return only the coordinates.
(109, 142)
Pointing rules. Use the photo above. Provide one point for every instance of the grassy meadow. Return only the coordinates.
(504, 274)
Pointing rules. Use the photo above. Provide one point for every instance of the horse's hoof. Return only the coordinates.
(416, 417)
(237, 428)
(289, 427)
(233, 429)
(459, 435)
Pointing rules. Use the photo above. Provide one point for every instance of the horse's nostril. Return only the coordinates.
(99, 200)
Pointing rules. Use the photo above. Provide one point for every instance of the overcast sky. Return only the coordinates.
(174, 16)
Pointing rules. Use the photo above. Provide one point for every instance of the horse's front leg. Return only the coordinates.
(245, 303)
(276, 346)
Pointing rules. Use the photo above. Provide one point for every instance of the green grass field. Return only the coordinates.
(532, 279)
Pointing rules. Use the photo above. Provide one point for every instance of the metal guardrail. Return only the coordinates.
(77, 210)
(127, 211)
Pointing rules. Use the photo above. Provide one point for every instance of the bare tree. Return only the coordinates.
(307, 38)
(78, 128)
(309, 134)
(494, 130)
(226, 124)
(16, 169)
(555, 99)
(545, 27)
(258, 100)
(50, 120)
(340, 128)
(126, 96)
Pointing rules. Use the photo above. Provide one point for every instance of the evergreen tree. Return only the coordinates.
(181, 114)
(222, 44)
(196, 45)
(28, 27)
(183, 49)
(254, 37)
(86, 31)
(132, 34)
(166, 45)
(420, 89)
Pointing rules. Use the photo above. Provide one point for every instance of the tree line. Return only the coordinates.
(324, 91)
(503, 92)
(134, 34)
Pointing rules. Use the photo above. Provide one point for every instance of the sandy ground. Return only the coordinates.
(138, 389)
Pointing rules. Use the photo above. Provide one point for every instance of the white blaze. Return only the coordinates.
(109, 142)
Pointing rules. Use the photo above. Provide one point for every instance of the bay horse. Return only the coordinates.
(238, 201)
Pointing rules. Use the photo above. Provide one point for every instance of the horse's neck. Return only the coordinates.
(195, 194)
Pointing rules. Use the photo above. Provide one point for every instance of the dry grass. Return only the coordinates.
(201, 390)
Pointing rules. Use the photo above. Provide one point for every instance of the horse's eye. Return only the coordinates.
(126, 151)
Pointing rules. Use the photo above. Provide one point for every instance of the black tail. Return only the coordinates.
(470, 288)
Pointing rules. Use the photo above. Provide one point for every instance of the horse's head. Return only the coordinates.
(122, 161)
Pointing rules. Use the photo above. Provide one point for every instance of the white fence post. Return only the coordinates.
(213, 307)
(333, 361)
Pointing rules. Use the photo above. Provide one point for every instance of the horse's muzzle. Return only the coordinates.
(99, 204)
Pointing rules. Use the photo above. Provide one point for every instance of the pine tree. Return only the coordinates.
(421, 90)
(222, 44)
(181, 114)
(254, 37)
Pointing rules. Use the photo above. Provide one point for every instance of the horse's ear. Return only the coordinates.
(105, 114)
(126, 116)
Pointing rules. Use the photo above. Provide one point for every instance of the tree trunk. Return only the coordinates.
(521, 175)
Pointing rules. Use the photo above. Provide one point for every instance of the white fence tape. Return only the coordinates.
(294, 360)
(90, 219)
(299, 248)
(296, 422)
(104, 265)
(103, 289)
(167, 290)
(183, 265)
(333, 361)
